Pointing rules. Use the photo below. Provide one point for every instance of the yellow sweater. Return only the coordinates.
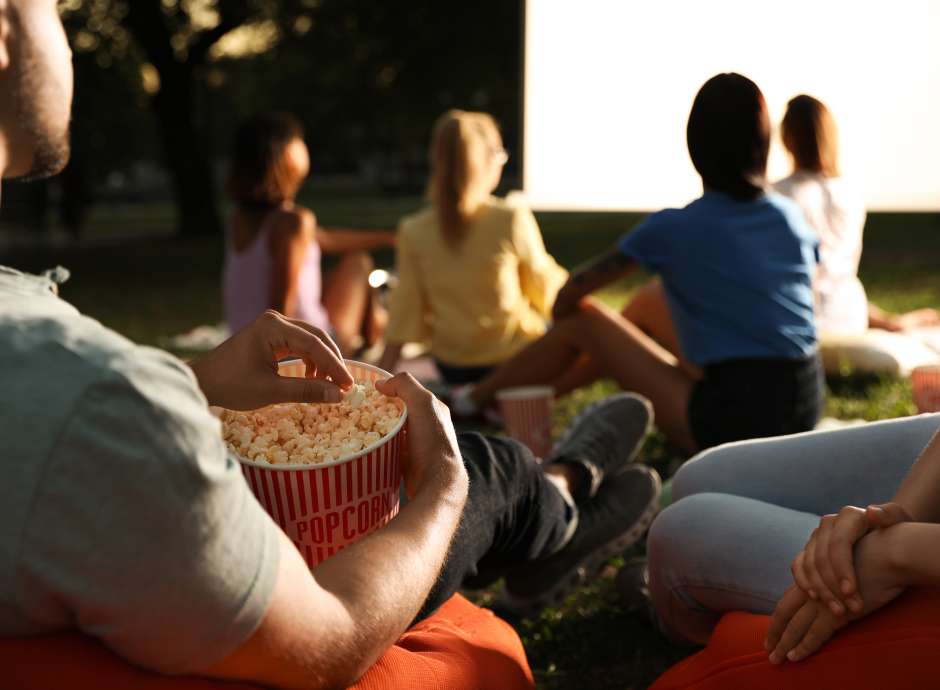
(480, 303)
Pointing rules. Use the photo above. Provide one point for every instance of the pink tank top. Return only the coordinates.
(246, 283)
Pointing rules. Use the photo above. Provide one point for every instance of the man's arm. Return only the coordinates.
(589, 277)
(325, 629)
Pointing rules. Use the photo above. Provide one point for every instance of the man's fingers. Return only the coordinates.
(406, 387)
(818, 634)
(311, 344)
(794, 632)
(319, 333)
(788, 605)
(291, 389)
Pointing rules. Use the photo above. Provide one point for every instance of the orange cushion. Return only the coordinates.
(460, 647)
(897, 647)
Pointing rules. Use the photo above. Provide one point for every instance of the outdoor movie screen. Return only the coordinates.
(609, 84)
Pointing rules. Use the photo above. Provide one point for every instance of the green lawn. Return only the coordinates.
(135, 278)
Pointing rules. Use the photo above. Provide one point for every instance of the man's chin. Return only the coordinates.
(48, 159)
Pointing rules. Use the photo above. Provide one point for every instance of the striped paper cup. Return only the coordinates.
(925, 385)
(324, 508)
(527, 414)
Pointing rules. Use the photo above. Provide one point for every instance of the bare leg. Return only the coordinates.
(648, 311)
(346, 296)
(620, 350)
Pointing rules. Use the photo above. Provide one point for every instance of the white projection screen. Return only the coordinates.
(609, 84)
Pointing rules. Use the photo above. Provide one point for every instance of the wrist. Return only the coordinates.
(901, 546)
(447, 483)
(202, 371)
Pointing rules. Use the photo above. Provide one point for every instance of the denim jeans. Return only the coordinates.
(744, 510)
(513, 515)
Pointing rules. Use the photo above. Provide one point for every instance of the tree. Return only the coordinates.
(174, 40)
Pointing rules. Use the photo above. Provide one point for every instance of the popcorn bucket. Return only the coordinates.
(325, 507)
(527, 415)
(925, 383)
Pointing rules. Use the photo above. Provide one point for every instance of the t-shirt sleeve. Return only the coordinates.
(144, 530)
(540, 276)
(649, 243)
(408, 306)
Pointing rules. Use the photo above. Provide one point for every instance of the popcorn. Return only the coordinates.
(308, 434)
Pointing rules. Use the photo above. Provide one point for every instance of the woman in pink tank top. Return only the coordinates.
(274, 246)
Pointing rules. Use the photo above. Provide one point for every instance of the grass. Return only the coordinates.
(134, 277)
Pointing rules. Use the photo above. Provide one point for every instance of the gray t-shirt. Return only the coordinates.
(120, 514)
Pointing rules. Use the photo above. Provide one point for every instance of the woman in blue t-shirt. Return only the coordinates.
(736, 268)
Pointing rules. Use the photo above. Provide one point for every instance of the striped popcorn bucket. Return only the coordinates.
(925, 386)
(527, 415)
(324, 508)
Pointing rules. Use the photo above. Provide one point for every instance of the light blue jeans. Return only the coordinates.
(743, 511)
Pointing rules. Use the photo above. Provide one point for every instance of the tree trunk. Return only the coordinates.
(186, 156)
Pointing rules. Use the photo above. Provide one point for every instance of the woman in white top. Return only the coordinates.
(835, 209)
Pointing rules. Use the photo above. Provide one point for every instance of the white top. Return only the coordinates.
(835, 209)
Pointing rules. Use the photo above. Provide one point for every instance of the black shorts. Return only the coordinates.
(455, 375)
(755, 398)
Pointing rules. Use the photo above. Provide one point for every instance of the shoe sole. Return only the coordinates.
(594, 407)
(592, 563)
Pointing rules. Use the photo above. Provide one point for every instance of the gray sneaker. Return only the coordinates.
(611, 522)
(604, 438)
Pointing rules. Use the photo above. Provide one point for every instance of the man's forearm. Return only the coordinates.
(919, 493)
(386, 577)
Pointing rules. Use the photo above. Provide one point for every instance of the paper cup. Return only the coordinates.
(324, 508)
(527, 415)
(925, 384)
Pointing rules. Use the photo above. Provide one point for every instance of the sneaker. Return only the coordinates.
(611, 522)
(604, 438)
(633, 584)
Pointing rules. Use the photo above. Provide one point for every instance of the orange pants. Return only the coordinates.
(896, 648)
(460, 647)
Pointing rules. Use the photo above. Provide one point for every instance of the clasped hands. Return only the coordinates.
(844, 572)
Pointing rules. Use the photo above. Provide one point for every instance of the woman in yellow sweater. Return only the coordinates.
(475, 280)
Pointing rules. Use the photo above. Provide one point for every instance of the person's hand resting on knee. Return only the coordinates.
(825, 568)
(801, 625)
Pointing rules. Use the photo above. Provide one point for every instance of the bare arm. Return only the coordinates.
(589, 277)
(325, 629)
(288, 242)
(919, 493)
(338, 241)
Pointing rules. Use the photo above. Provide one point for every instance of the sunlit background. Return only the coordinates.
(609, 84)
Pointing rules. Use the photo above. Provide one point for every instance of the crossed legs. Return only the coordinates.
(599, 338)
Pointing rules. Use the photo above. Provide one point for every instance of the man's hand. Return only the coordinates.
(241, 373)
(433, 455)
(800, 625)
(825, 570)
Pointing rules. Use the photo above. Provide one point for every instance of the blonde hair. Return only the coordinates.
(810, 135)
(462, 148)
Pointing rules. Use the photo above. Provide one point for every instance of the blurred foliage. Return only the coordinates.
(367, 79)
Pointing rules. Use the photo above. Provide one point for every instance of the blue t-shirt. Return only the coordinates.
(737, 275)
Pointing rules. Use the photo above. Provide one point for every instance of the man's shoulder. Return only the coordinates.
(51, 356)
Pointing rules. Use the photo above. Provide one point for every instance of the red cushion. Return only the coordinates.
(460, 646)
(897, 647)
